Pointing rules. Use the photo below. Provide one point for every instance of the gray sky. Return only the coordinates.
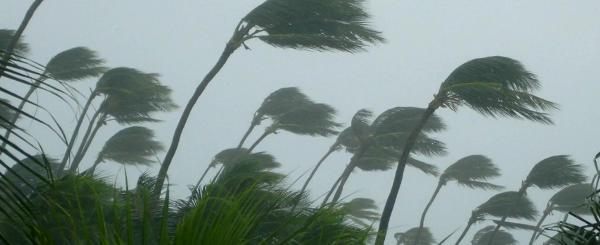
(426, 40)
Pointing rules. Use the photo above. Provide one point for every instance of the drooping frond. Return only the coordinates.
(6, 115)
(310, 119)
(348, 140)
(360, 124)
(572, 199)
(483, 236)
(510, 204)
(554, 172)
(231, 156)
(75, 64)
(472, 171)
(281, 101)
(5, 38)
(314, 24)
(515, 226)
(409, 237)
(131, 146)
(497, 86)
(360, 209)
(22, 174)
(427, 168)
(382, 159)
(404, 119)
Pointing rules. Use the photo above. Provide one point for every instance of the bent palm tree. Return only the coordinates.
(493, 86)
(502, 238)
(550, 173)
(410, 237)
(471, 171)
(130, 146)
(523, 208)
(569, 199)
(321, 25)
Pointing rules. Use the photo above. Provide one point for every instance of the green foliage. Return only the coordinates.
(408, 237)
(131, 146)
(472, 171)
(555, 172)
(483, 236)
(75, 64)
(6, 114)
(314, 119)
(510, 204)
(359, 210)
(281, 101)
(572, 199)
(6, 36)
(232, 156)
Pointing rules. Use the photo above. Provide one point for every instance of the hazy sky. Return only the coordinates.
(181, 40)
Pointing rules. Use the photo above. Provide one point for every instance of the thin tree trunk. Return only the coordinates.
(521, 193)
(91, 170)
(262, 137)
(391, 200)
(312, 174)
(202, 177)
(15, 39)
(231, 46)
(87, 140)
(337, 182)
(345, 176)
(422, 223)
(252, 125)
(67, 153)
(465, 231)
(539, 224)
(14, 119)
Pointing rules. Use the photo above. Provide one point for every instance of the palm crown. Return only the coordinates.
(75, 64)
(21, 48)
(554, 172)
(133, 145)
(472, 171)
(484, 235)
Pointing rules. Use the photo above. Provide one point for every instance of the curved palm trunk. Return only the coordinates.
(202, 177)
(67, 153)
(539, 224)
(91, 170)
(521, 193)
(312, 174)
(87, 140)
(337, 182)
(391, 200)
(422, 223)
(231, 46)
(345, 175)
(262, 137)
(14, 119)
(252, 125)
(17, 36)
(471, 221)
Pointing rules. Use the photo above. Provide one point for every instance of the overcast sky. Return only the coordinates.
(181, 40)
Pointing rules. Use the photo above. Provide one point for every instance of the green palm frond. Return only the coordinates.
(496, 86)
(5, 38)
(510, 204)
(382, 159)
(313, 24)
(408, 237)
(472, 171)
(404, 119)
(131, 146)
(483, 236)
(554, 172)
(281, 101)
(572, 199)
(23, 174)
(360, 124)
(6, 114)
(232, 156)
(75, 64)
(426, 168)
(310, 119)
(360, 209)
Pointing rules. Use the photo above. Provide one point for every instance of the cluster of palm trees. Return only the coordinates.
(46, 200)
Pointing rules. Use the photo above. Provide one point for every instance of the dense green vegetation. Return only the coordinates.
(57, 201)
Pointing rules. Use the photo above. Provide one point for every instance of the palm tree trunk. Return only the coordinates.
(391, 200)
(337, 182)
(422, 223)
(331, 150)
(471, 221)
(231, 46)
(91, 170)
(509, 209)
(17, 36)
(87, 140)
(14, 119)
(202, 177)
(539, 224)
(345, 176)
(262, 137)
(252, 125)
(67, 153)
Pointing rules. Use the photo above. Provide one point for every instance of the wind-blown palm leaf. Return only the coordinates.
(483, 236)
(230, 157)
(513, 225)
(310, 119)
(408, 237)
(404, 119)
(6, 114)
(472, 171)
(360, 125)
(314, 24)
(361, 209)
(572, 199)
(6, 36)
(555, 172)
(510, 204)
(131, 146)
(281, 101)
(75, 64)
(22, 173)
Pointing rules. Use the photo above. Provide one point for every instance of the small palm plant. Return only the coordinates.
(493, 86)
(410, 237)
(330, 25)
(570, 199)
(502, 238)
(550, 173)
(523, 208)
(130, 146)
(471, 171)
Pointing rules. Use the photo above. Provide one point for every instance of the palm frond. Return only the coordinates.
(360, 124)
(404, 119)
(426, 168)
(483, 236)
(131, 146)
(497, 86)
(472, 171)
(514, 225)
(408, 237)
(6, 115)
(232, 156)
(310, 119)
(281, 101)
(572, 199)
(6, 36)
(75, 64)
(361, 209)
(314, 24)
(510, 204)
(554, 172)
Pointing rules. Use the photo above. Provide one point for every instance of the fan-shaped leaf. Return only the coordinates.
(554, 172)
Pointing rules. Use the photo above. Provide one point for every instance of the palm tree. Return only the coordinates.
(314, 119)
(277, 103)
(523, 208)
(70, 65)
(376, 145)
(471, 171)
(359, 210)
(550, 173)
(130, 146)
(570, 199)
(338, 25)
(410, 237)
(493, 86)
(502, 238)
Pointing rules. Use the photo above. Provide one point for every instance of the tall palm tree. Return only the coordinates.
(471, 171)
(502, 238)
(523, 208)
(376, 145)
(493, 86)
(570, 199)
(278, 102)
(338, 25)
(314, 119)
(130, 146)
(70, 65)
(410, 237)
(550, 173)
